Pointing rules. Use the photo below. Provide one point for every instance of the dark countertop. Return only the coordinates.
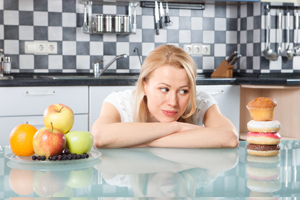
(126, 79)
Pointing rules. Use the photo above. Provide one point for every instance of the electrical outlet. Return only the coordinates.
(188, 48)
(197, 49)
(41, 48)
(205, 49)
(52, 47)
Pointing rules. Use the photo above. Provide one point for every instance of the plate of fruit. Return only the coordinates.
(55, 143)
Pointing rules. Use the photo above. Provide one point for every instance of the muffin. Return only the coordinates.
(262, 108)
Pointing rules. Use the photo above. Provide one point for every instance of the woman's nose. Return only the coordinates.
(172, 99)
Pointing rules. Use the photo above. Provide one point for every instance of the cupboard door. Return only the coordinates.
(228, 98)
(17, 101)
(97, 95)
(8, 123)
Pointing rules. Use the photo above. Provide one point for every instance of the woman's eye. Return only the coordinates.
(164, 89)
(184, 91)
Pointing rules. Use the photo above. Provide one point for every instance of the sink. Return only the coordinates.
(89, 77)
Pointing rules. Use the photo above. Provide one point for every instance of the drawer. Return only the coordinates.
(17, 101)
(8, 123)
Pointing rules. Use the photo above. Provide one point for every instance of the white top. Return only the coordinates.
(124, 102)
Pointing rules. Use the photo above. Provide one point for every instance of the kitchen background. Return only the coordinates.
(225, 27)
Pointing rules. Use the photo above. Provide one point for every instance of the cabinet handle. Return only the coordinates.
(213, 93)
(39, 92)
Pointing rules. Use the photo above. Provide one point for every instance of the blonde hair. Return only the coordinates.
(161, 56)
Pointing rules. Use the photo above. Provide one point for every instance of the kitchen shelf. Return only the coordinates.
(89, 22)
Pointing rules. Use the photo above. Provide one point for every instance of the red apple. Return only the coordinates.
(61, 116)
(48, 142)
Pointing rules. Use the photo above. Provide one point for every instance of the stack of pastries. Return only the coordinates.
(263, 136)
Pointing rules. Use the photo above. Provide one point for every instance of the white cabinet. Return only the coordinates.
(27, 104)
(228, 98)
(97, 95)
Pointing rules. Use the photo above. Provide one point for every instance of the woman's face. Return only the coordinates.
(168, 93)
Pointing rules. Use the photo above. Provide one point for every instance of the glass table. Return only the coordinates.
(158, 172)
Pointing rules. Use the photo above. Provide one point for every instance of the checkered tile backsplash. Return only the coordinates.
(282, 65)
(60, 21)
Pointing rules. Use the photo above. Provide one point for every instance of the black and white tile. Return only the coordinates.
(60, 21)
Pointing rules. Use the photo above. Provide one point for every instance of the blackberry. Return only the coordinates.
(43, 158)
(50, 158)
(39, 157)
(34, 157)
(54, 158)
(70, 157)
(87, 156)
(74, 156)
(65, 157)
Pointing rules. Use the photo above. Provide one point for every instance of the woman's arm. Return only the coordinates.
(219, 132)
(109, 132)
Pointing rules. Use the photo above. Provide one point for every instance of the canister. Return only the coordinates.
(118, 20)
(6, 63)
(99, 23)
(126, 24)
(108, 23)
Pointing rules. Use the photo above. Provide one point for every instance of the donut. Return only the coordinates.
(263, 138)
(264, 174)
(263, 186)
(264, 126)
(263, 150)
(263, 162)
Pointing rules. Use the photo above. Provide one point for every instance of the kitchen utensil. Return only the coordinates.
(99, 23)
(162, 15)
(156, 16)
(235, 59)
(126, 26)
(134, 19)
(297, 48)
(108, 23)
(229, 59)
(85, 27)
(168, 22)
(280, 34)
(1, 64)
(269, 53)
(288, 52)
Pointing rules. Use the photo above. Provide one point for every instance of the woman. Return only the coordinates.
(164, 110)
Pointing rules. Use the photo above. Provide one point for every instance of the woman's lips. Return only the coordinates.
(169, 113)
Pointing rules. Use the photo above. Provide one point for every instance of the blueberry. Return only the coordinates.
(39, 157)
(67, 151)
(54, 158)
(65, 157)
(70, 157)
(87, 156)
(34, 157)
(43, 157)
(50, 158)
(79, 156)
(74, 156)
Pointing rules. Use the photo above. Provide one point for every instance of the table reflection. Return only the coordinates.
(160, 172)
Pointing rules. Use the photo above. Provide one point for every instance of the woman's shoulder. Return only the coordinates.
(125, 94)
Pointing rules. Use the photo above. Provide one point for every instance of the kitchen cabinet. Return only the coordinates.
(227, 96)
(27, 104)
(96, 98)
(228, 99)
(287, 111)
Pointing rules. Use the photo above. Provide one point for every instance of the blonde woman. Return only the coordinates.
(164, 110)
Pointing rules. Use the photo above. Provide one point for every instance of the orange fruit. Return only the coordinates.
(20, 140)
(21, 181)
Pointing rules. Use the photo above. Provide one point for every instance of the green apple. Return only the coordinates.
(79, 141)
(80, 178)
